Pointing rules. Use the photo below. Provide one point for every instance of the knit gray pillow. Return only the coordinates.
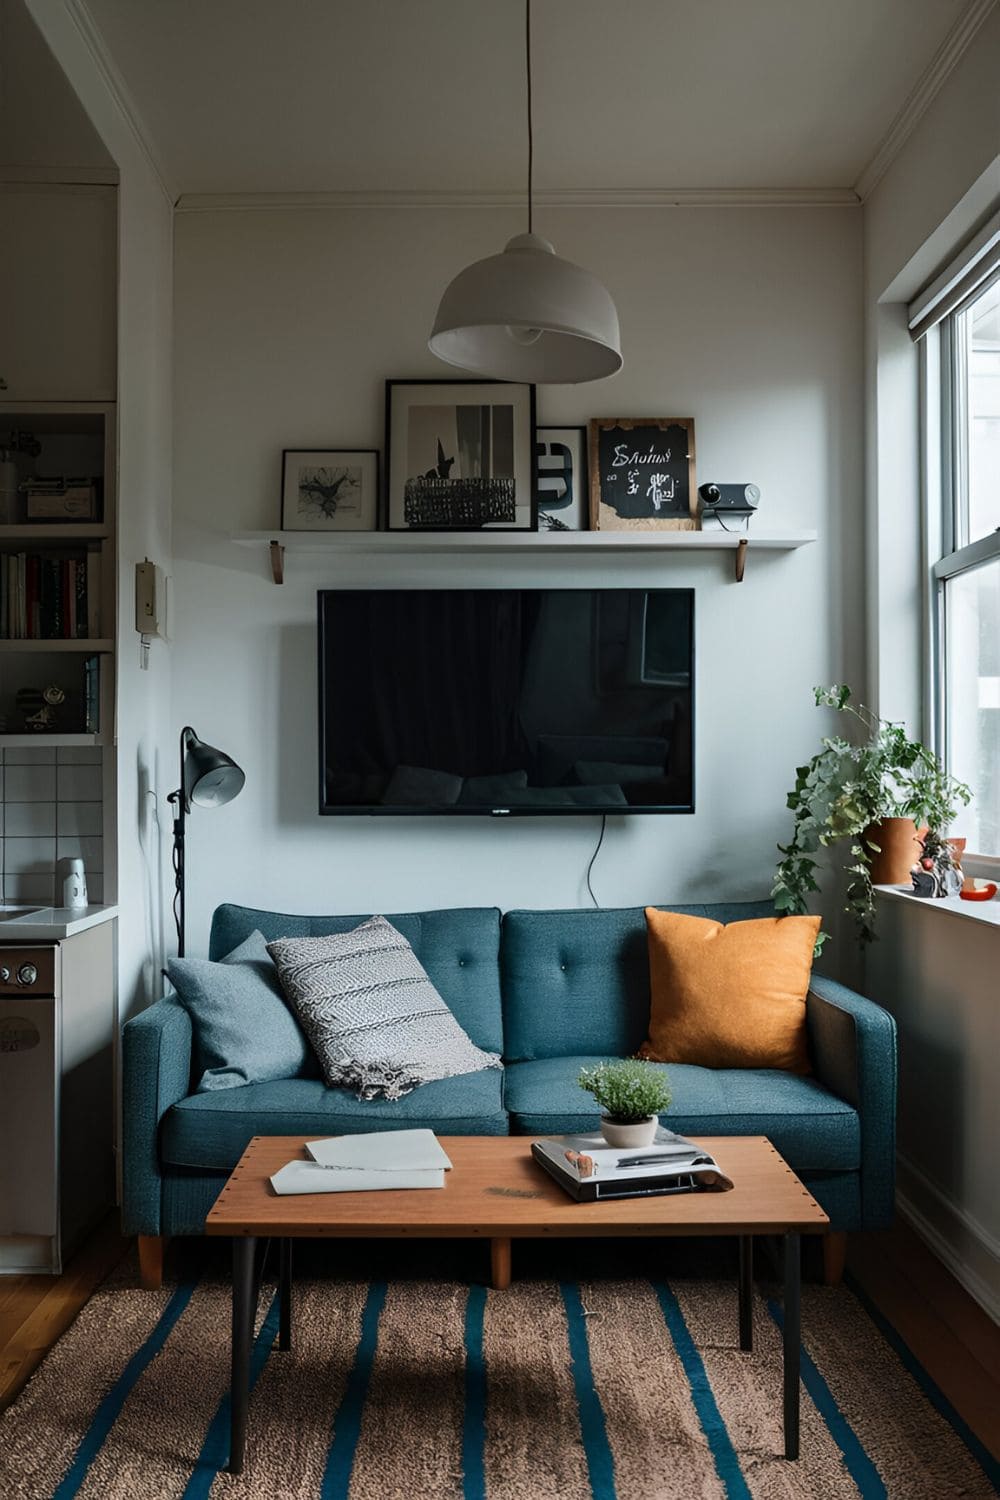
(374, 1019)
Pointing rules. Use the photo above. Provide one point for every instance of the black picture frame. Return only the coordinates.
(577, 507)
(364, 460)
(446, 507)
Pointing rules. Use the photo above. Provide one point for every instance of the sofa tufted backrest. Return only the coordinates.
(576, 983)
(459, 949)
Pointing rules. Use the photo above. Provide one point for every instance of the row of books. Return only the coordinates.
(49, 598)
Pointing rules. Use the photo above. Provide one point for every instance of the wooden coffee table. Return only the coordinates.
(496, 1192)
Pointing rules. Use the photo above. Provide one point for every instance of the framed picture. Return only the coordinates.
(561, 478)
(459, 456)
(329, 489)
(642, 474)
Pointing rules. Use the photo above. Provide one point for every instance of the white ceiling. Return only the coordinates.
(428, 95)
(42, 122)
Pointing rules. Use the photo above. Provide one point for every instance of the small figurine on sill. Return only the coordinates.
(937, 872)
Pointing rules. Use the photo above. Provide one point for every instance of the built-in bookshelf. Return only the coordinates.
(57, 574)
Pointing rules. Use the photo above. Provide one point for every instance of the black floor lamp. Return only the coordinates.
(209, 778)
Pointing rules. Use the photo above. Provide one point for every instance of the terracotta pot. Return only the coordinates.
(899, 843)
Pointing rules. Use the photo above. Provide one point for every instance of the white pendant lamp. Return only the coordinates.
(527, 314)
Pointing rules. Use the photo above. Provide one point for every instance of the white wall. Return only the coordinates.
(935, 972)
(288, 321)
(144, 729)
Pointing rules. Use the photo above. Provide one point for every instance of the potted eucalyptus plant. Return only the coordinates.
(632, 1093)
(876, 789)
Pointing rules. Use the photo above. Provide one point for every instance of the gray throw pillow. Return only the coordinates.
(375, 1020)
(243, 1029)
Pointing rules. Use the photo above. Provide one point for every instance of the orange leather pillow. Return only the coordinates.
(729, 997)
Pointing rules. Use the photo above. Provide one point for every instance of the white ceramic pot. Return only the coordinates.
(641, 1133)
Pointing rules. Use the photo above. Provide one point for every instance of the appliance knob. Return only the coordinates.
(4, 974)
(27, 974)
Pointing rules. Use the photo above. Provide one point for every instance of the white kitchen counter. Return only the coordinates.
(48, 924)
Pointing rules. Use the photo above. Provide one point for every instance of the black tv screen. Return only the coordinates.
(506, 702)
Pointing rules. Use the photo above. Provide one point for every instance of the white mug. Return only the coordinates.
(74, 882)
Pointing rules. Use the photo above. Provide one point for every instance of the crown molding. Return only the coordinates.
(93, 40)
(192, 203)
(923, 93)
(61, 176)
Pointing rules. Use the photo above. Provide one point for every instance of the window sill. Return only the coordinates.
(972, 911)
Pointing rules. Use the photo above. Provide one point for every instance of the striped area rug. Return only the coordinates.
(434, 1390)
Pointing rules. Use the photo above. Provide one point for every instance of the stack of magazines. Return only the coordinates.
(589, 1169)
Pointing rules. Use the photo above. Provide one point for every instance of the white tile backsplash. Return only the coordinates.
(30, 755)
(91, 851)
(29, 783)
(79, 783)
(38, 889)
(29, 819)
(81, 818)
(50, 808)
(29, 856)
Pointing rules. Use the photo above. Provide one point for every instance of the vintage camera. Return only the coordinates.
(722, 503)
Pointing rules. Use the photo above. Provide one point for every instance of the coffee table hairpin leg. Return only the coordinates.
(244, 1317)
(792, 1342)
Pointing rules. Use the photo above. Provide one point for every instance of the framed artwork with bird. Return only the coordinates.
(460, 456)
(329, 489)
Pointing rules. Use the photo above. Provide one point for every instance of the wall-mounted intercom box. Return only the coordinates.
(150, 600)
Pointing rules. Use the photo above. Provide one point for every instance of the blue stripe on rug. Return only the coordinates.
(214, 1453)
(109, 1410)
(347, 1423)
(984, 1458)
(720, 1445)
(597, 1450)
(860, 1467)
(474, 1424)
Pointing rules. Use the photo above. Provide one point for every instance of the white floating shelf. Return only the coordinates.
(53, 531)
(325, 544)
(36, 741)
(82, 646)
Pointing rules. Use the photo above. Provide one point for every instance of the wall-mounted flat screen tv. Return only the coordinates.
(506, 702)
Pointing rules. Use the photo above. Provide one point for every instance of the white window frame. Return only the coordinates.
(947, 551)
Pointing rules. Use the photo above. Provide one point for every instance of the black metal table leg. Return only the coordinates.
(244, 1315)
(792, 1342)
(746, 1291)
(285, 1296)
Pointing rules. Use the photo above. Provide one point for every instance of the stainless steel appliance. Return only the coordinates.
(56, 1096)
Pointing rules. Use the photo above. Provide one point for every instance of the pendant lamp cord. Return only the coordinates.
(531, 133)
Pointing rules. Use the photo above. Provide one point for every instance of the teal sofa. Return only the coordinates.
(550, 991)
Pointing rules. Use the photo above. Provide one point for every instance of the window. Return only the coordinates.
(958, 322)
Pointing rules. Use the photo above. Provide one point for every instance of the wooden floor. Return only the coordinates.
(951, 1336)
(957, 1343)
(36, 1310)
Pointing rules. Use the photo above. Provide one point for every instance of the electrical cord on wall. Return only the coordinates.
(597, 850)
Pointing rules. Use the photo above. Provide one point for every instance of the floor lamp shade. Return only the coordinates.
(528, 315)
(211, 777)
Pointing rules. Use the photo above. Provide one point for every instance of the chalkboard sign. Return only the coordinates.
(642, 474)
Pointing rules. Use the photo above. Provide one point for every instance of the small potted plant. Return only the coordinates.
(868, 793)
(632, 1093)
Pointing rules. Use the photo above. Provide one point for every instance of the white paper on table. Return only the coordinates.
(382, 1151)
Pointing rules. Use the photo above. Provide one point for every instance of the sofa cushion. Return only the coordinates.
(811, 1128)
(374, 1019)
(213, 1130)
(578, 981)
(459, 949)
(243, 1030)
(729, 996)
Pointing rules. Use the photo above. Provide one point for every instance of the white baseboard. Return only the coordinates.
(964, 1246)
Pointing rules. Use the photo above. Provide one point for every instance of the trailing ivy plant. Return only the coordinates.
(848, 785)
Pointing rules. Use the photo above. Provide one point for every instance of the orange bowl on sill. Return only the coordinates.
(977, 890)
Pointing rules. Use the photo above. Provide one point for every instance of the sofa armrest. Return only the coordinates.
(156, 1073)
(853, 1046)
